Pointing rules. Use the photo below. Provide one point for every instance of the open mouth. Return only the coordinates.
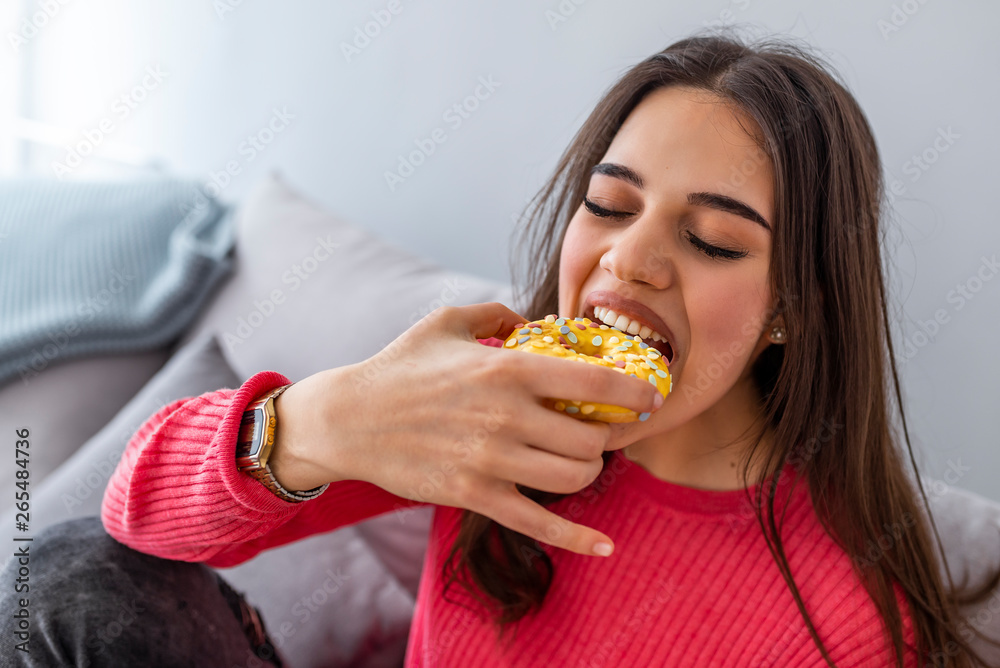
(653, 339)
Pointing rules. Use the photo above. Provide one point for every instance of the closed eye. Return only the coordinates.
(715, 251)
(706, 248)
(601, 212)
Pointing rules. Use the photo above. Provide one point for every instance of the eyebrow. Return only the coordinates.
(707, 199)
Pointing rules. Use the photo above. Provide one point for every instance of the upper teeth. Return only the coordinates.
(609, 317)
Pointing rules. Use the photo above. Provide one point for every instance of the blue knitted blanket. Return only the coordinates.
(93, 268)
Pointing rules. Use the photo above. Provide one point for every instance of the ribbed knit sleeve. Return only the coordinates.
(177, 494)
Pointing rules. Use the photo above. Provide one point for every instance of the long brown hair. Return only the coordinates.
(828, 194)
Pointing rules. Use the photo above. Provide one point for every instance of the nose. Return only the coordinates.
(639, 259)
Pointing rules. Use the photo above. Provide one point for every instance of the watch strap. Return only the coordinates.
(265, 476)
(264, 473)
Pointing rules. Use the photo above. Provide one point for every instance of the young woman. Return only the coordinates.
(725, 196)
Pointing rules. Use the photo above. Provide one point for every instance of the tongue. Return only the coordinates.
(668, 352)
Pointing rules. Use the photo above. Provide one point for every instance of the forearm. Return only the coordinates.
(177, 494)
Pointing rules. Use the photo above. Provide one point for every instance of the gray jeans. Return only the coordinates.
(95, 602)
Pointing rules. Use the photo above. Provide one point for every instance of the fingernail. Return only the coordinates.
(603, 549)
(657, 402)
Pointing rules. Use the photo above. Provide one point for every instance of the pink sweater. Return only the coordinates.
(691, 581)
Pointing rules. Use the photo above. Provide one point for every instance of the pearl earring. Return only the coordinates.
(777, 335)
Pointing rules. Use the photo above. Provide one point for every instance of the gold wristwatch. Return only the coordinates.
(254, 443)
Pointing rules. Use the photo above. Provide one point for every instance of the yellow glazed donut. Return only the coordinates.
(595, 343)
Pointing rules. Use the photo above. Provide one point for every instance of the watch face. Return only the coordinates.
(250, 430)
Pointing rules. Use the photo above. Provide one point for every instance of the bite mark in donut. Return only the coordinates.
(593, 342)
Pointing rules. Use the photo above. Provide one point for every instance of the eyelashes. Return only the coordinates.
(711, 251)
(601, 212)
(715, 251)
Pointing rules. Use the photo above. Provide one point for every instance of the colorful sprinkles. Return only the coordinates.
(557, 337)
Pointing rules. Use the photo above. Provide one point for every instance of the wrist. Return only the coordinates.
(293, 461)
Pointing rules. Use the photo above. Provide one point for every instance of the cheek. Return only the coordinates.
(728, 317)
(576, 260)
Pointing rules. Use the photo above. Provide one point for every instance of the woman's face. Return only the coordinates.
(682, 178)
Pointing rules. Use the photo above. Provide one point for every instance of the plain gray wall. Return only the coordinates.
(920, 69)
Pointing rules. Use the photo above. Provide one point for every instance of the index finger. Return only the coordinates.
(572, 381)
(483, 321)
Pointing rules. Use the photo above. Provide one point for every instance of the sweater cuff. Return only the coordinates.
(247, 490)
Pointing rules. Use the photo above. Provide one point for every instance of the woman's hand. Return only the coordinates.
(440, 418)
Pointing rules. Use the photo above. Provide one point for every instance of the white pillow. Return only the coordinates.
(300, 273)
